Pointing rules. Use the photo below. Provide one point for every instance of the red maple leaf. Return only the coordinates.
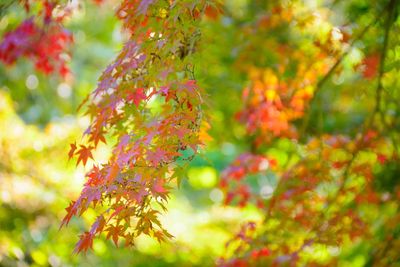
(71, 211)
(85, 242)
(137, 96)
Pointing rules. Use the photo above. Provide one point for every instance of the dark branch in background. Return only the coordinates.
(389, 21)
(5, 6)
(332, 70)
(378, 100)
(391, 8)
(388, 246)
(388, 25)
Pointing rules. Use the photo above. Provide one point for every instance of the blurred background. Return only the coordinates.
(39, 119)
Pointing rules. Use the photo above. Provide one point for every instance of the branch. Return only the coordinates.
(388, 25)
(4, 7)
(324, 79)
(378, 109)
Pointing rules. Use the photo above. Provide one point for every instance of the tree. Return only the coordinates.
(313, 109)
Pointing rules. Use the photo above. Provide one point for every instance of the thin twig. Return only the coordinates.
(322, 82)
(389, 22)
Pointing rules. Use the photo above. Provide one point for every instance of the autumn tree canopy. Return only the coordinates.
(305, 92)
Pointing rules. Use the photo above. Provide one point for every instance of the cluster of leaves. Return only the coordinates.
(149, 103)
(232, 178)
(147, 99)
(42, 39)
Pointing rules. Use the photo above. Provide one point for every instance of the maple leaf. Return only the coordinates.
(151, 216)
(137, 96)
(97, 136)
(98, 225)
(113, 172)
(161, 236)
(157, 156)
(147, 148)
(71, 211)
(167, 92)
(85, 152)
(114, 232)
(72, 150)
(129, 240)
(85, 242)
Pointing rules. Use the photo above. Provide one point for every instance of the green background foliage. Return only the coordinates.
(39, 119)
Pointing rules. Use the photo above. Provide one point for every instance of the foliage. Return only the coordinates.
(300, 97)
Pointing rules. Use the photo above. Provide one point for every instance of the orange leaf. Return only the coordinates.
(84, 153)
(72, 150)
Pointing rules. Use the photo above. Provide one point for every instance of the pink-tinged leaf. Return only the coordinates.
(85, 242)
(44, 45)
(157, 156)
(144, 5)
(98, 225)
(139, 196)
(137, 96)
(158, 187)
(191, 85)
(167, 92)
